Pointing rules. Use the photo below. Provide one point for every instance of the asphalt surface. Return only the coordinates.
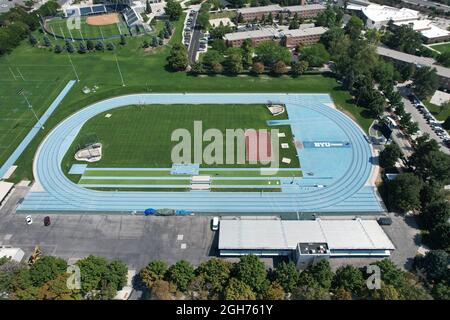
(431, 4)
(195, 41)
(134, 239)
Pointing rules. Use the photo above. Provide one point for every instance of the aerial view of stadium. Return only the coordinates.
(223, 150)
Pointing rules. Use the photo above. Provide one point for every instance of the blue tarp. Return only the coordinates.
(149, 211)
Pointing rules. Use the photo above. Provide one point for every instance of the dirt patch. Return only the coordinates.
(103, 19)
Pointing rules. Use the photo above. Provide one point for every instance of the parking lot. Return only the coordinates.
(427, 122)
(134, 239)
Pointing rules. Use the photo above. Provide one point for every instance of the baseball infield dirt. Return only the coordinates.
(103, 19)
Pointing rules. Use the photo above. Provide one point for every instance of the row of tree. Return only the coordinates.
(80, 46)
(46, 279)
(249, 279)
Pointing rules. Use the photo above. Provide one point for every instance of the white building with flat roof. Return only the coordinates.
(377, 16)
(430, 32)
(274, 237)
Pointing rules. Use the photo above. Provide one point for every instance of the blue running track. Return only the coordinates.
(334, 179)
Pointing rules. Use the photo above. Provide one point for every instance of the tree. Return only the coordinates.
(47, 42)
(32, 39)
(251, 271)
(299, 68)
(173, 9)
(233, 63)
(349, 278)
(434, 264)
(342, 294)
(123, 40)
(311, 292)
(279, 68)
(390, 274)
(238, 290)
(331, 17)
(110, 46)
(58, 48)
(56, 289)
(148, 8)
(429, 162)
(163, 290)
(441, 291)
(90, 45)
(216, 272)
(94, 274)
(154, 42)
(99, 46)
(82, 48)
(69, 47)
(444, 59)
(294, 24)
(181, 274)
(354, 27)
(390, 155)
(178, 59)
(116, 276)
(322, 273)
(154, 271)
(274, 292)
(247, 52)
(46, 269)
(270, 52)
(286, 275)
(439, 236)
(435, 213)
(217, 68)
(258, 68)
(316, 55)
(403, 38)
(386, 292)
(425, 82)
(404, 192)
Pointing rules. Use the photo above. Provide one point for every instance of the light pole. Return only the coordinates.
(21, 92)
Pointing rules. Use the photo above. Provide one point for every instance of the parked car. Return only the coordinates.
(29, 220)
(47, 221)
(215, 224)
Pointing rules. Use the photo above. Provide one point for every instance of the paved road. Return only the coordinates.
(134, 239)
(195, 41)
(418, 117)
(431, 4)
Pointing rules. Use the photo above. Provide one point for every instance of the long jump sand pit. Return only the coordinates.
(103, 19)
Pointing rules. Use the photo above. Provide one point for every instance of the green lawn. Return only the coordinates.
(140, 137)
(60, 28)
(445, 47)
(440, 113)
(142, 72)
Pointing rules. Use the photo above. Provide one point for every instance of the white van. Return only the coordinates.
(215, 224)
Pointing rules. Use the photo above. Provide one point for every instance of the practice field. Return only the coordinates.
(19, 83)
(108, 26)
(140, 137)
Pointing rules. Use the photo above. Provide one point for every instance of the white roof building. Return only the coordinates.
(378, 16)
(343, 237)
(225, 22)
(426, 28)
(5, 188)
(15, 254)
